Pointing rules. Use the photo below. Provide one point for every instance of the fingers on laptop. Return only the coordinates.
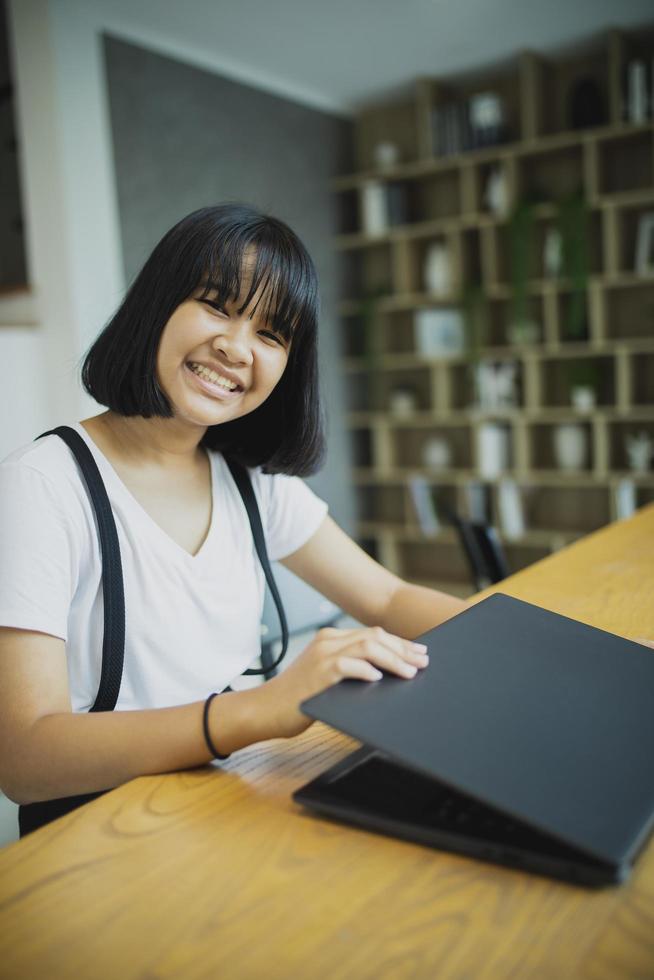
(364, 653)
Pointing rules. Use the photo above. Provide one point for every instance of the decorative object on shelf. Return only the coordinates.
(645, 245)
(496, 385)
(624, 497)
(496, 192)
(374, 213)
(510, 509)
(583, 398)
(521, 328)
(382, 206)
(386, 155)
(587, 106)
(570, 446)
(438, 332)
(436, 453)
(639, 449)
(403, 402)
(637, 96)
(553, 253)
(424, 504)
(573, 223)
(437, 270)
(487, 119)
(584, 382)
(492, 449)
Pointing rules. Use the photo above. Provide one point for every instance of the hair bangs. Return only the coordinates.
(265, 268)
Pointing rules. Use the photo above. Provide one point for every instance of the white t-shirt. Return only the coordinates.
(192, 623)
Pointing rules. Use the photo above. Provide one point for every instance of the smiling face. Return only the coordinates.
(217, 362)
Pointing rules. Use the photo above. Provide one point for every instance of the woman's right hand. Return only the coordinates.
(332, 655)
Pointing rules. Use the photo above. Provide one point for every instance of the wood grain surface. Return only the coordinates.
(215, 872)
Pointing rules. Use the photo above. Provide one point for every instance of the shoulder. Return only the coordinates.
(43, 471)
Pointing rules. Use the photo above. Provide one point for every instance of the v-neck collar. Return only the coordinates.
(105, 464)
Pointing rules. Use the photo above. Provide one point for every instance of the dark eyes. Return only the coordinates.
(277, 338)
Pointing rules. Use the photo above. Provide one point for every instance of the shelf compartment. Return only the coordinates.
(550, 176)
(541, 452)
(630, 311)
(409, 443)
(626, 162)
(415, 380)
(464, 387)
(500, 323)
(580, 509)
(385, 503)
(367, 272)
(557, 78)
(361, 447)
(619, 433)
(435, 196)
(432, 560)
(393, 123)
(642, 379)
(559, 376)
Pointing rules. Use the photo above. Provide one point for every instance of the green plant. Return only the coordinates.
(521, 262)
(573, 225)
(372, 341)
(474, 308)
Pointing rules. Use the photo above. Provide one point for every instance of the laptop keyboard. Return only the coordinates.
(381, 787)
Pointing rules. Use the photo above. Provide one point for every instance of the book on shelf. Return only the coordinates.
(624, 495)
(422, 496)
(493, 449)
(476, 497)
(382, 205)
(510, 509)
(439, 332)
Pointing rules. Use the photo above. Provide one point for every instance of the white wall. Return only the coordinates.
(70, 214)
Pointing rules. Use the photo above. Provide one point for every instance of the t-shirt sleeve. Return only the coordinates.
(293, 514)
(38, 553)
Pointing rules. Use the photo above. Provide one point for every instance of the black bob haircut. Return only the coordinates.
(206, 250)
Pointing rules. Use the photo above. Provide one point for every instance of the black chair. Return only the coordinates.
(483, 549)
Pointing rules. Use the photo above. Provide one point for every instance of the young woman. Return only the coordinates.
(212, 354)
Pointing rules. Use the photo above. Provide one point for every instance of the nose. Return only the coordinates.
(233, 341)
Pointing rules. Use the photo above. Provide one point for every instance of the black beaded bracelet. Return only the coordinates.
(205, 725)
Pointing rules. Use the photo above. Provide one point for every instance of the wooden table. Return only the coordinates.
(216, 873)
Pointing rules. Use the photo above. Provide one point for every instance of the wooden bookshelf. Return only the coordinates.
(611, 166)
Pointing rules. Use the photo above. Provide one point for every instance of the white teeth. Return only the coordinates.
(209, 375)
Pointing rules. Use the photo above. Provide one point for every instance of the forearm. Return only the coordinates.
(66, 754)
(414, 609)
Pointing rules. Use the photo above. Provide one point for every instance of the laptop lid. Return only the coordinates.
(541, 716)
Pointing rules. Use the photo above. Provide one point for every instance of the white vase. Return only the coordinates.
(583, 398)
(496, 192)
(570, 446)
(436, 454)
(438, 270)
(640, 449)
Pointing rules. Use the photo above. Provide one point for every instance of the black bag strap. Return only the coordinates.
(113, 590)
(242, 479)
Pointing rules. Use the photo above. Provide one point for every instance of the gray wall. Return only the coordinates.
(184, 138)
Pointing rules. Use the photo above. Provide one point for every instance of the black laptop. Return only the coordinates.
(527, 741)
